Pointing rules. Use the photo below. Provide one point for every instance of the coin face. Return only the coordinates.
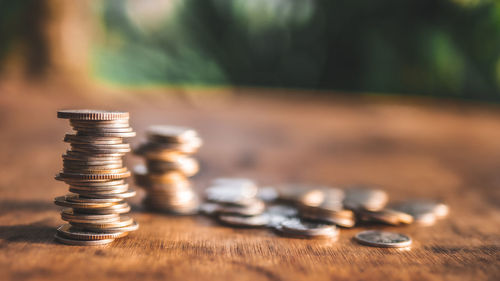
(383, 239)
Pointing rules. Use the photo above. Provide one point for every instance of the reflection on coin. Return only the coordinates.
(75, 242)
(252, 221)
(384, 239)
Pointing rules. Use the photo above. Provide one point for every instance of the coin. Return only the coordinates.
(71, 214)
(169, 134)
(386, 216)
(72, 138)
(279, 213)
(63, 201)
(423, 211)
(384, 239)
(121, 195)
(87, 114)
(81, 199)
(267, 193)
(252, 221)
(132, 227)
(70, 232)
(293, 193)
(107, 176)
(365, 199)
(75, 242)
(304, 229)
(97, 226)
(325, 197)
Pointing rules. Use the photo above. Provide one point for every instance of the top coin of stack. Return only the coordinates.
(93, 169)
(168, 165)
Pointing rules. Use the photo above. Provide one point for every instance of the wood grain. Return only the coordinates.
(412, 149)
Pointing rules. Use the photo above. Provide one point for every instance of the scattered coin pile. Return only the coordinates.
(93, 169)
(169, 163)
(309, 211)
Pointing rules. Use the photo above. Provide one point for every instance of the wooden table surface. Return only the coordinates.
(427, 149)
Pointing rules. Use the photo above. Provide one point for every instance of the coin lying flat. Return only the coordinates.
(279, 213)
(115, 197)
(64, 202)
(119, 208)
(325, 197)
(365, 199)
(383, 239)
(267, 194)
(87, 114)
(252, 221)
(101, 176)
(169, 134)
(303, 229)
(72, 138)
(76, 242)
(293, 193)
(71, 232)
(71, 214)
(94, 226)
(387, 216)
(423, 211)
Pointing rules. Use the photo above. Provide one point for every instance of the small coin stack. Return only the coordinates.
(93, 169)
(310, 211)
(169, 163)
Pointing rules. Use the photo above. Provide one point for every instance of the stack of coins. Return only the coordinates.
(167, 152)
(93, 169)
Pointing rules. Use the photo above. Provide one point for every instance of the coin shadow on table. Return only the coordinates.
(31, 233)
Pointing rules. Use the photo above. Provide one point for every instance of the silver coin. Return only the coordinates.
(327, 199)
(267, 193)
(384, 239)
(365, 199)
(252, 221)
(279, 213)
(301, 229)
(167, 134)
(75, 242)
(421, 209)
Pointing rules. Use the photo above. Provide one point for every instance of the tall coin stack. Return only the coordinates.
(93, 169)
(167, 152)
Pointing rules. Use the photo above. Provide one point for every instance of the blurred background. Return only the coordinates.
(447, 48)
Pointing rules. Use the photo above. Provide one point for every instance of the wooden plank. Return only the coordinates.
(410, 149)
